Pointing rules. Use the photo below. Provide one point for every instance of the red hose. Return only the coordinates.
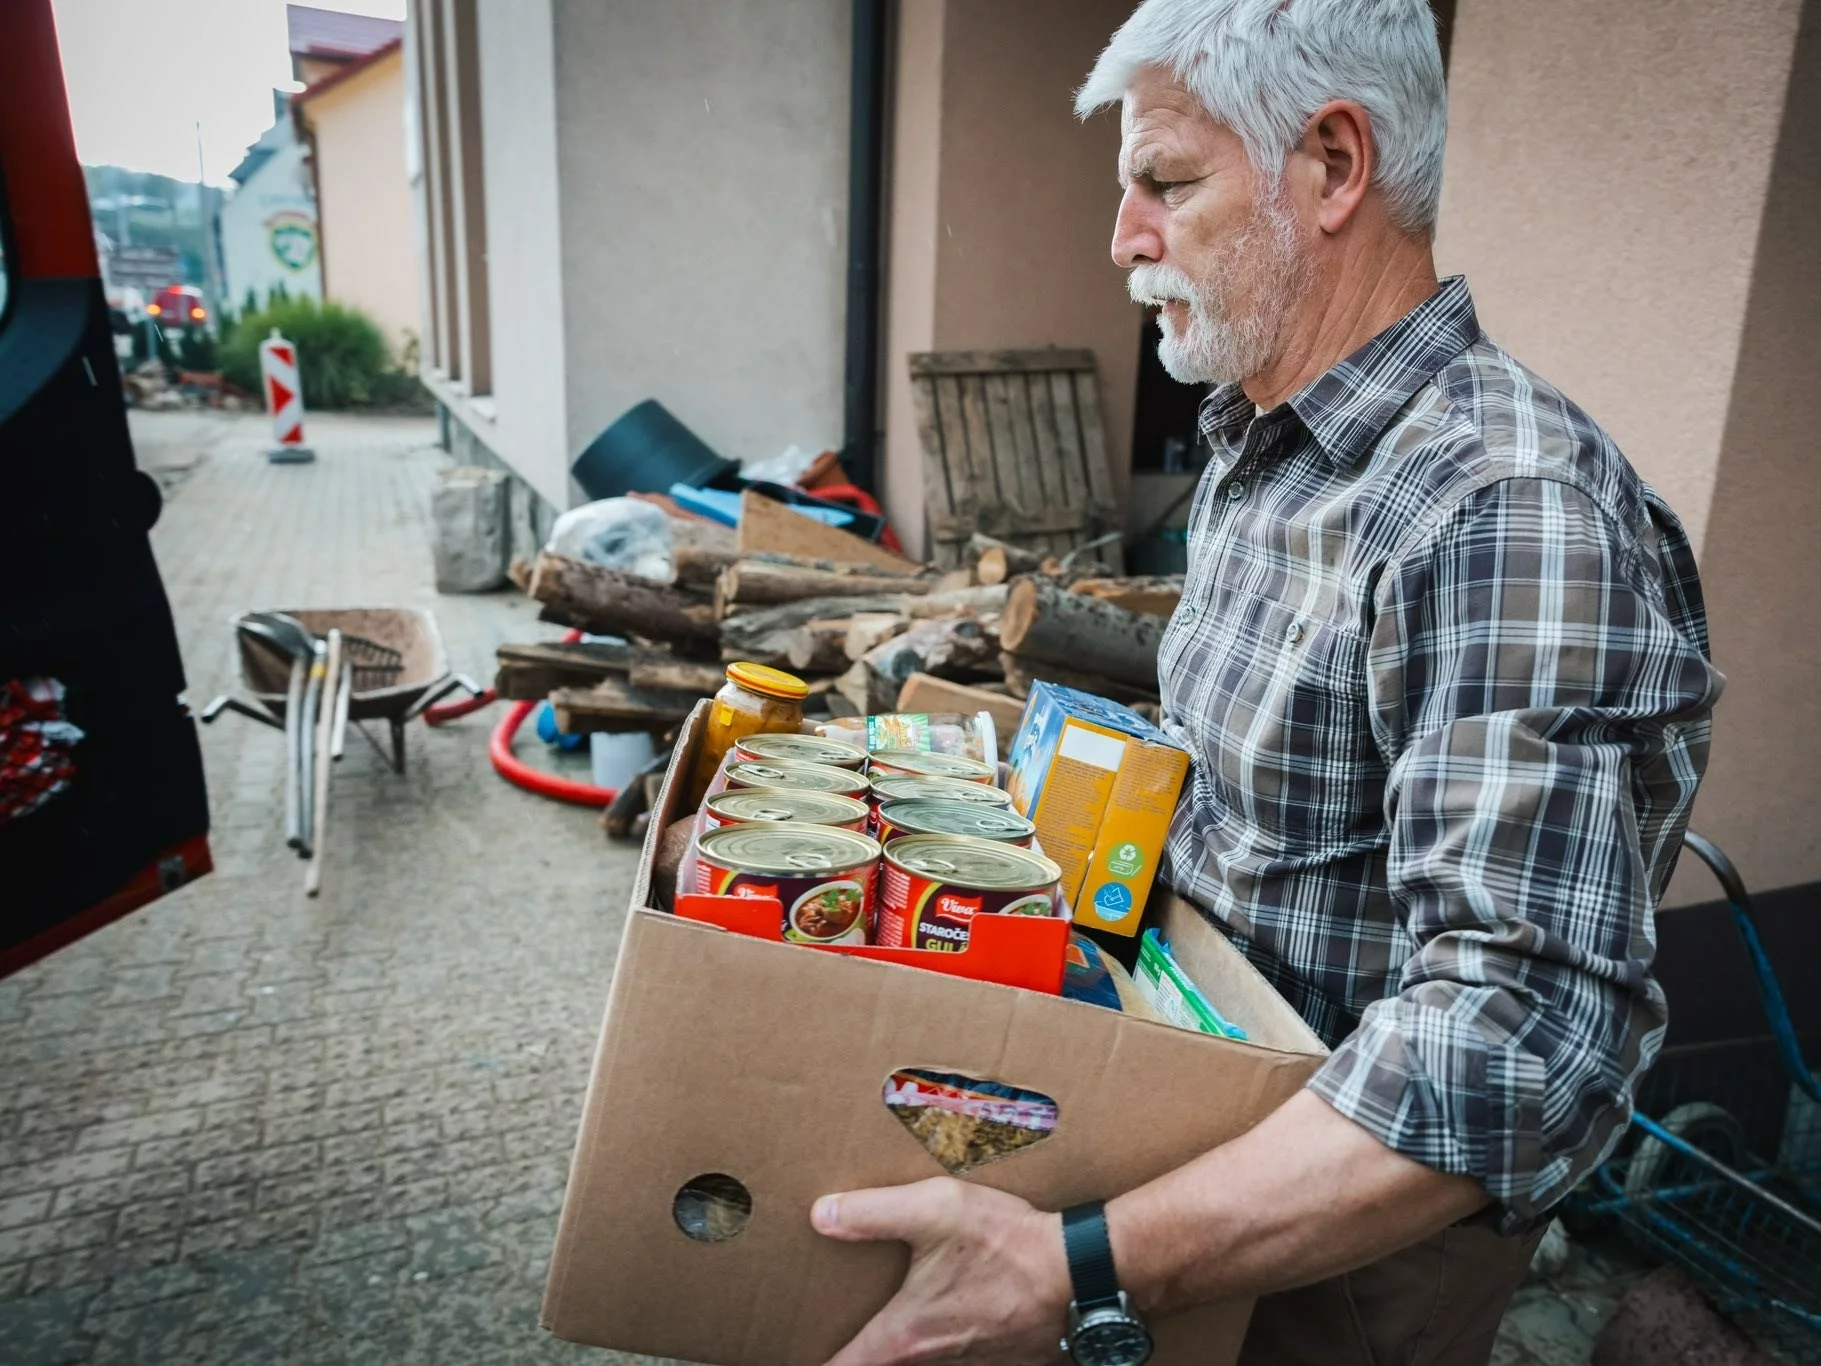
(509, 766)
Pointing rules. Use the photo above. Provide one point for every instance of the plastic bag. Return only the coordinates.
(616, 533)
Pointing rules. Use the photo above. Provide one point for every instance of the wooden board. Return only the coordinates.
(767, 526)
(615, 705)
(1013, 447)
(927, 693)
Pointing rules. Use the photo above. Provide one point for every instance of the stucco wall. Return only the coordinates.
(363, 198)
(702, 154)
(1011, 230)
(1606, 172)
(277, 191)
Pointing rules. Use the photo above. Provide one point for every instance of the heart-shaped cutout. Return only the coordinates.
(965, 1122)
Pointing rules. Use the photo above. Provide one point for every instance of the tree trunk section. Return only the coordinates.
(611, 602)
(1044, 621)
(820, 647)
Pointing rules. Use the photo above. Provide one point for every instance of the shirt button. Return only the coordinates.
(1295, 633)
(1236, 491)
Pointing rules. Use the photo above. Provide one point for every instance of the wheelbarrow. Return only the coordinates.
(312, 671)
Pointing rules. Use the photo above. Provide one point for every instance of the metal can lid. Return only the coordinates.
(802, 749)
(925, 763)
(908, 787)
(767, 681)
(806, 777)
(961, 861)
(787, 850)
(776, 804)
(956, 818)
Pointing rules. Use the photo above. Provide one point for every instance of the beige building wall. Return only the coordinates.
(1002, 209)
(363, 197)
(1632, 226)
(702, 159)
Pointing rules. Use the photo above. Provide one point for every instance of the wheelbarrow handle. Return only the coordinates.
(437, 691)
(1770, 991)
(251, 710)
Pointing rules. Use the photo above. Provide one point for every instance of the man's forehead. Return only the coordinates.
(1159, 117)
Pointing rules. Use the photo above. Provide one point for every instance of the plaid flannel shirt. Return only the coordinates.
(1441, 662)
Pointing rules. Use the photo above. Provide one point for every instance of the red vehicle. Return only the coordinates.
(178, 306)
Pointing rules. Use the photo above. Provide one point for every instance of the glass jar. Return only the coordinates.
(755, 700)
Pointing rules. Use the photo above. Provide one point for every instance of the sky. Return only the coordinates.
(142, 74)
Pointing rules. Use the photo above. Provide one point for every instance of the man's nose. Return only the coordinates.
(1137, 238)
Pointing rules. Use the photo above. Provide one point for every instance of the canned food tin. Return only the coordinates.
(822, 876)
(899, 787)
(953, 818)
(921, 763)
(800, 777)
(777, 806)
(932, 887)
(799, 749)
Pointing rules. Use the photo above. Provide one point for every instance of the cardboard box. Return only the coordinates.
(767, 1062)
(1101, 782)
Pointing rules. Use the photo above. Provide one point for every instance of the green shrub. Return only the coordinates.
(341, 353)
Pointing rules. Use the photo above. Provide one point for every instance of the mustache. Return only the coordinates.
(1158, 284)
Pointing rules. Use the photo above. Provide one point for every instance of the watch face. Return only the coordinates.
(1114, 1340)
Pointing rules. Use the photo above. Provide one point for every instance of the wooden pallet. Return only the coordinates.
(1014, 446)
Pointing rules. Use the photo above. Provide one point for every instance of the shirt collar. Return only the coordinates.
(1347, 408)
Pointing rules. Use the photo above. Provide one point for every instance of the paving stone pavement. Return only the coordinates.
(241, 1125)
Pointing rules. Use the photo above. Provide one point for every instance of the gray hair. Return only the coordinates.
(1262, 67)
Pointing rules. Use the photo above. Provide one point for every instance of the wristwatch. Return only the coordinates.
(1103, 1330)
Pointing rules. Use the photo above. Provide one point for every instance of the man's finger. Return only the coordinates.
(881, 1342)
(904, 1213)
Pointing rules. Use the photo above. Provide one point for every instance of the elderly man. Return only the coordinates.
(1441, 664)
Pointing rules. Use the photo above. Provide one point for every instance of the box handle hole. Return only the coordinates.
(712, 1208)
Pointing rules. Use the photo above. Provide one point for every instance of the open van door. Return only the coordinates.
(95, 826)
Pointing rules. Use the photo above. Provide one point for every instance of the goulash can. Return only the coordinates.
(798, 777)
(932, 887)
(896, 787)
(953, 818)
(799, 749)
(923, 763)
(822, 876)
(781, 805)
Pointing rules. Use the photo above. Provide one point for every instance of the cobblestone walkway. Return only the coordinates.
(242, 1126)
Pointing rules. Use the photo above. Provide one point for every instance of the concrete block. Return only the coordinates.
(469, 531)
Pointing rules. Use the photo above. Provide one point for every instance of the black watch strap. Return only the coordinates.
(1090, 1254)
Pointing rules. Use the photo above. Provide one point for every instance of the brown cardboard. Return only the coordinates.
(767, 525)
(767, 1062)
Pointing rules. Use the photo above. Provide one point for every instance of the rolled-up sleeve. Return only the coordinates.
(1544, 710)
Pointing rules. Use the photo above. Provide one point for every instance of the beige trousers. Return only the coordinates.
(1436, 1303)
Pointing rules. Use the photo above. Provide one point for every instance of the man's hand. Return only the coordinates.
(988, 1280)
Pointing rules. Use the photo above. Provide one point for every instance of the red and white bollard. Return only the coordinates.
(284, 400)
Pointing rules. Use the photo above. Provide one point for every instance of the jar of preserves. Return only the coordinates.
(755, 700)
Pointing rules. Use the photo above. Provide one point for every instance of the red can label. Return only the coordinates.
(918, 912)
(827, 908)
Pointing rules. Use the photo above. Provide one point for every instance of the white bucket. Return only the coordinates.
(619, 757)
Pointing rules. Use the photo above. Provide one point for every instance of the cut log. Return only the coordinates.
(617, 706)
(519, 571)
(612, 602)
(1044, 621)
(697, 567)
(763, 634)
(1155, 596)
(677, 675)
(926, 693)
(872, 629)
(953, 580)
(748, 583)
(995, 561)
(947, 646)
(533, 671)
(973, 602)
(819, 647)
(1021, 673)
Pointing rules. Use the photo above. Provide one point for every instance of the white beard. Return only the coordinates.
(1222, 344)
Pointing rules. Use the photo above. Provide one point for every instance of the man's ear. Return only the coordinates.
(1338, 144)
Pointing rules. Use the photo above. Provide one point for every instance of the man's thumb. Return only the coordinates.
(889, 1212)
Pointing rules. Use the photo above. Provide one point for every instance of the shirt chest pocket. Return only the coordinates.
(1284, 724)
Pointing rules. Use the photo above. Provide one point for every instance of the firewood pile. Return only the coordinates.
(869, 630)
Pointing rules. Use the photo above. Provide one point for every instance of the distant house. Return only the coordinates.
(269, 236)
(350, 117)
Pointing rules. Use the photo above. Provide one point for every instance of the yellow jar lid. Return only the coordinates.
(765, 680)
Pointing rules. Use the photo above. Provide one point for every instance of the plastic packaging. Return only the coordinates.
(616, 533)
(755, 700)
(973, 736)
